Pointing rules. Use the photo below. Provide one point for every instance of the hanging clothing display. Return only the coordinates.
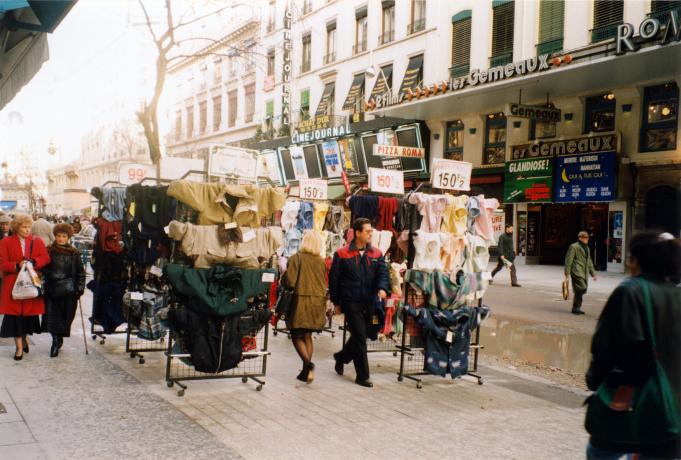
(408, 216)
(387, 208)
(364, 206)
(455, 215)
(483, 223)
(431, 208)
(320, 211)
(429, 250)
(109, 235)
(111, 202)
(381, 240)
(289, 214)
(334, 221)
(305, 216)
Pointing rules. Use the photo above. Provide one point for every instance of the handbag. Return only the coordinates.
(285, 306)
(566, 289)
(647, 414)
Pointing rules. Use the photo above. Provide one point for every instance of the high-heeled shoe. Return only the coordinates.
(310, 372)
(25, 344)
(18, 358)
(304, 373)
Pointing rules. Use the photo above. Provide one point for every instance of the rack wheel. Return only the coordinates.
(394, 353)
(480, 382)
(274, 333)
(400, 378)
(419, 385)
(132, 355)
(141, 361)
(180, 392)
(170, 384)
(94, 337)
(244, 379)
(102, 342)
(259, 387)
(333, 335)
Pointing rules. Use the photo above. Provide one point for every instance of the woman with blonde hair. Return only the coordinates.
(306, 273)
(21, 316)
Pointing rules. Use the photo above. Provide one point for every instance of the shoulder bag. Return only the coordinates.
(642, 415)
(285, 306)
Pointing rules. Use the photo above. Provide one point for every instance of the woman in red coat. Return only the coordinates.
(21, 316)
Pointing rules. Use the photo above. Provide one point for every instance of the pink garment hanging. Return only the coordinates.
(483, 223)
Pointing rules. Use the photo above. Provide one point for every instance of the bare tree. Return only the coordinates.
(166, 43)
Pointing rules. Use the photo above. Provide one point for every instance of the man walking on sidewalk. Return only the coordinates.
(506, 255)
(578, 266)
(358, 274)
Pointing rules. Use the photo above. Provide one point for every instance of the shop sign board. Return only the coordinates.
(233, 162)
(386, 181)
(587, 144)
(398, 151)
(534, 112)
(314, 189)
(268, 83)
(319, 128)
(332, 159)
(650, 29)
(583, 178)
(528, 180)
(451, 174)
(287, 69)
(132, 173)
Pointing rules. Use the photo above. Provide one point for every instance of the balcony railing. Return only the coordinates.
(603, 33)
(359, 47)
(386, 37)
(459, 70)
(329, 58)
(416, 26)
(305, 67)
(549, 47)
(501, 59)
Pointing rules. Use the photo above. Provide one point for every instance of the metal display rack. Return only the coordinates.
(284, 330)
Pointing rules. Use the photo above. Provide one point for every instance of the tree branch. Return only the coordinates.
(148, 19)
(182, 24)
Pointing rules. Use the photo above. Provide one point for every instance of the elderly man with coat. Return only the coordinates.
(578, 266)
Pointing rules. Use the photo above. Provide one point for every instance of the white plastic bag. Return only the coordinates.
(23, 287)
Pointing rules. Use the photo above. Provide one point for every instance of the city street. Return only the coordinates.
(108, 405)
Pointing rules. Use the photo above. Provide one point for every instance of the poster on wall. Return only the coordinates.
(582, 178)
(233, 162)
(332, 158)
(528, 181)
(268, 166)
(349, 156)
(498, 221)
(298, 160)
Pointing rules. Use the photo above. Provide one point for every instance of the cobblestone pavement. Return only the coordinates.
(107, 405)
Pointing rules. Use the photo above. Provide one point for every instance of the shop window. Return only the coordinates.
(495, 139)
(659, 117)
(461, 44)
(217, 112)
(409, 137)
(542, 129)
(599, 115)
(608, 14)
(372, 161)
(454, 141)
(305, 104)
(361, 30)
(551, 17)
(502, 32)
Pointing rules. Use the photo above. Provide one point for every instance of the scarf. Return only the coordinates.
(61, 249)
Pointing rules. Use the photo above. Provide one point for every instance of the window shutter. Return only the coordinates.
(269, 109)
(608, 12)
(305, 98)
(502, 30)
(461, 42)
(551, 14)
(659, 6)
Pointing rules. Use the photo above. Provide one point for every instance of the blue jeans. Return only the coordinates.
(594, 453)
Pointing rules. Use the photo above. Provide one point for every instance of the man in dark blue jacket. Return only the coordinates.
(358, 274)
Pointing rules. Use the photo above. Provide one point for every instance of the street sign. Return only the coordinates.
(451, 174)
(314, 189)
(386, 181)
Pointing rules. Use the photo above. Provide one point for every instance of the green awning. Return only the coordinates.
(498, 3)
(465, 14)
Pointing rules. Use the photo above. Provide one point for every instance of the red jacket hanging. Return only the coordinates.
(109, 235)
(10, 256)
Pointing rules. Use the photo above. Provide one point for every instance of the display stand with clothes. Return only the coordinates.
(322, 216)
(220, 278)
(108, 262)
(448, 240)
(148, 212)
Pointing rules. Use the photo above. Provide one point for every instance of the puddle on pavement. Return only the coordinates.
(536, 343)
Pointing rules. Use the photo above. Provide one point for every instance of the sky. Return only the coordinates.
(100, 68)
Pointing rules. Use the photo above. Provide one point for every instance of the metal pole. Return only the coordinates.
(82, 322)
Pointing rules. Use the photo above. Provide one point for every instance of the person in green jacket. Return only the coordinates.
(578, 266)
(506, 254)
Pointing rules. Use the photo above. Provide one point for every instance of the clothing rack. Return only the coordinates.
(284, 330)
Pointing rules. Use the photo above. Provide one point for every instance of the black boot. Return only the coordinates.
(54, 349)
(61, 341)
(304, 373)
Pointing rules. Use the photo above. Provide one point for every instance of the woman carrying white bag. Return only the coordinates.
(20, 256)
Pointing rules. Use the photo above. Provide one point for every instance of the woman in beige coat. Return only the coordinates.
(306, 273)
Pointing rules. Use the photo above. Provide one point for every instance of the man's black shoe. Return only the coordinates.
(339, 365)
(516, 285)
(577, 312)
(365, 383)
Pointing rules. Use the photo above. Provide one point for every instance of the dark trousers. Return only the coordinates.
(500, 265)
(355, 349)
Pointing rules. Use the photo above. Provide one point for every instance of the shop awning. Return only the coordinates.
(381, 85)
(411, 75)
(327, 96)
(354, 93)
(23, 43)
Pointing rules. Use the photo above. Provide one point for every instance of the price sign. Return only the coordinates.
(132, 173)
(386, 181)
(314, 189)
(451, 174)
